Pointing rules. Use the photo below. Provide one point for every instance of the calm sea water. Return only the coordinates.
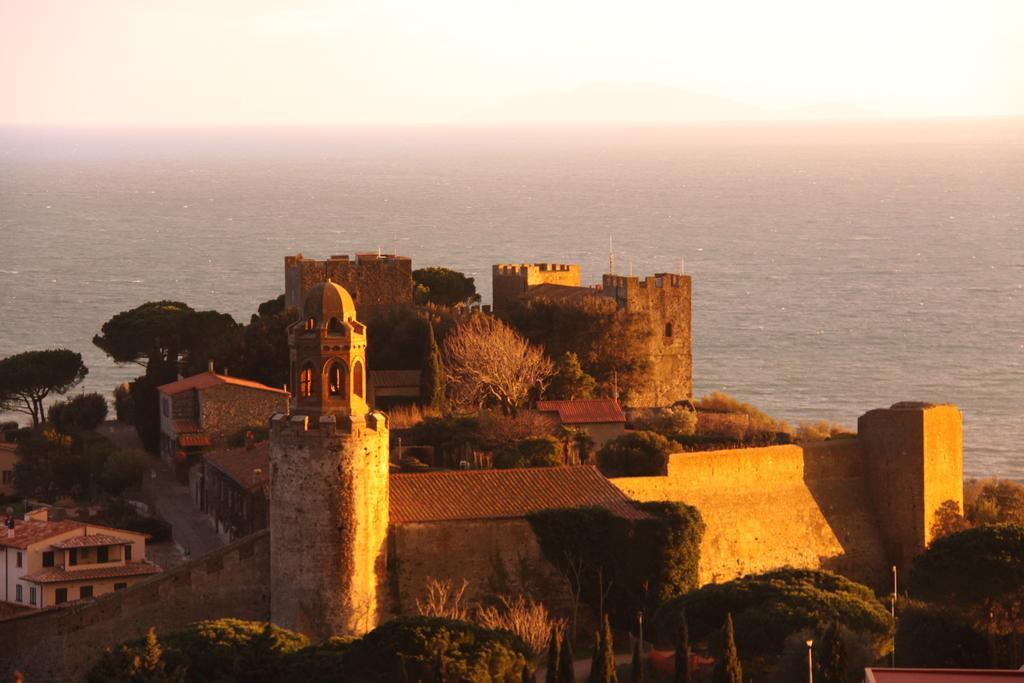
(836, 268)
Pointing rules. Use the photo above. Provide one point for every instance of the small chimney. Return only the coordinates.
(209, 365)
(250, 440)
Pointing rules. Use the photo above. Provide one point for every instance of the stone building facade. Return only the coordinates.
(373, 280)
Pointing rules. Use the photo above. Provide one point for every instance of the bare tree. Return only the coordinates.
(486, 359)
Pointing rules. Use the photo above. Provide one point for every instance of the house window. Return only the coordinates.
(31, 595)
(127, 553)
(336, 380)
(103, 554)
(8, 476)
(668, 329)
(17, 593)
(306, 381)
(73, 557)
(85, 592)
(48, 558)
(334, 325)
(17, 559)
(166, 403)
(310, 324)
(357, 379)
(86, 555)
(120, 586)
(60, 596)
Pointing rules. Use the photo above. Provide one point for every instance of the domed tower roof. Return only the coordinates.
(329, 300)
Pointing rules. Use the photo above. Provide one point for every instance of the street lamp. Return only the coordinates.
(810, 662)
(894, 594)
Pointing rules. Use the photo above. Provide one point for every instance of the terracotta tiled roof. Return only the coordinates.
(205, 380)
(239, 463)
(395, 378)
(91, 541)
(496, 494)
(584, 411)
(55, 575)
(882, 675)
(12, 447)
(185, 427)
(27, 532)
(193, 440)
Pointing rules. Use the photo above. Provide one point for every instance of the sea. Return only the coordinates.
(837, 267)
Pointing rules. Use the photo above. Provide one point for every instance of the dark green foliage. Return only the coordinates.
(972, 567)
(432, 375)
(121, 471)
(444, 433)
(554, 655)
(609, 343)
(602, 664)
(51, 464)
(443, 287)
(831, 660)
(727, 666)
(83, 412)
(146, 334)
(683, 673)
(326, 662)
(541, 452)
(28, 378)
(146, 405)
(939, 636)
(636, 668)
(636, 563)
(566, 670)
(264, 346)
(569, 381)
(119, 514)
(123, 409)
(768, 607)
(635, 454)
(465, 651)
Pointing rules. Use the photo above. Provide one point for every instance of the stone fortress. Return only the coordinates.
(350, 544)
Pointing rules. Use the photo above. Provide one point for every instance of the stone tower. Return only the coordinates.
(329, 477)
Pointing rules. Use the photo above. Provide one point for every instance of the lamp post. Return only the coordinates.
(894, 593)
(810, 662)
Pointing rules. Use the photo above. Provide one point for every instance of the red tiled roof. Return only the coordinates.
(239, 463)
(185, 427)
(584, 411)
(880, 675)
(27, 532)
(91, 541)
(395, 378)
(193, 440)
(205, 380)
(12, 447)
(56, 575)
(496, 494)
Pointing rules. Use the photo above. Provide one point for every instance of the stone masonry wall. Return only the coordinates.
(228, 409)
(509, 281)
(371, 280)
(776, 506)
(61, 644)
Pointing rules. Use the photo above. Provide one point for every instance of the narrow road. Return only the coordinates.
(191, 529)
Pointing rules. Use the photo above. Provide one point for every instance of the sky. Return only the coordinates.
(397, 62)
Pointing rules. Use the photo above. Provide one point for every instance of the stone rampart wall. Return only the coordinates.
(777, 506)
(61, 644)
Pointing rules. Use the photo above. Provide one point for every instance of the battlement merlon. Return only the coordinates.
(656, 281)
(325, 425)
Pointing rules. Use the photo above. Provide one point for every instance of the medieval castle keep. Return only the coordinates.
(663, 301)
(374, 280)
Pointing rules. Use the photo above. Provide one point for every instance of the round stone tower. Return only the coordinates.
(329, 478)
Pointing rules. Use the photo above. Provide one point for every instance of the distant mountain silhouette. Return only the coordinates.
(637, 103)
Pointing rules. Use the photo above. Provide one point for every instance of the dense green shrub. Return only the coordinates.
(672, 422)
(83, 412)
(636, 563)
(635, 454)
(766, 608)
(938, 636)
(570, 381)
(122, 470)
(443, 287)
(540, 452)
(971, 567)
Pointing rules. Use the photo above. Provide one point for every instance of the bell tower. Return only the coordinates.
(329, 478)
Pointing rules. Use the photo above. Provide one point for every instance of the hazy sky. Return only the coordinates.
(436, 61)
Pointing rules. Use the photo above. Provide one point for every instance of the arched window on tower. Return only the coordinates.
(306, 382)
(334, 326)
(310, 324)
(668, 329)
(357, 379)
(336, 380)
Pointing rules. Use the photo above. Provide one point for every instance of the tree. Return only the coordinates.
(554, 655)
(636, 669)
(602, 668)
(432, 374)
(683, 673)
(121, 471)
(540, 452)
(832, 656)
(28, 378)
(635, 454)
(727, 668)
(147, 334)
(487, 360)
(948, 519)
(443, 287)
(82, 413)
(566, 662)
(569, 381)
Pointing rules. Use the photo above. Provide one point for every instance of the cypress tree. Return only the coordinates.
(682, 672)
(727, 668)
(554, 655)
(636, 671)
(595, 658)
(432, 375)
(832, 657)
(154, 658)
(566, 672)
(608, 654)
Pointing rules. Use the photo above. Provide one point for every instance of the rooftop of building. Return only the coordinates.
(553, 292)
(502, 494)
(584, 411)
(883, 675)
(241, 464)
(31, 531)
(207, 380)
(91, 541)
(58, 575)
